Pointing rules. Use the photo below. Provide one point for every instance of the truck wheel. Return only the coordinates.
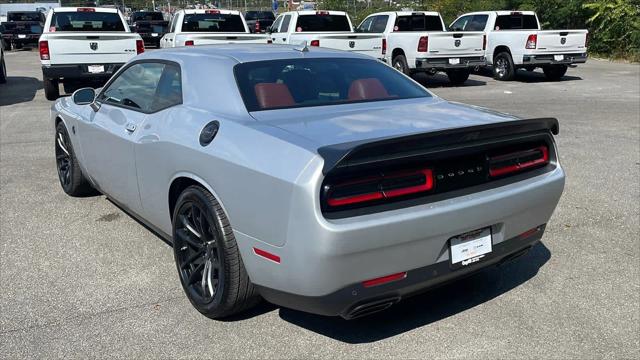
(458, 77)
(400, 63)
(503, 69)
(3, 72)
(554, 72)
(209, 265)
(51, 89)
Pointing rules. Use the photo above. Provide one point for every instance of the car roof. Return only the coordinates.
(75, 9)
(204, 11)
(499, 12)
(248, 52)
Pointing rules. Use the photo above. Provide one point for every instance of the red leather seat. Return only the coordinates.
(273, 95)
(367, 89)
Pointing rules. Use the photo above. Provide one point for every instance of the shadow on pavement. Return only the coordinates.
(429, 307)
(441, 80)
(19, 89)
(524, 76)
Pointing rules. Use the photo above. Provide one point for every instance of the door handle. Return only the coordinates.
(130, 127)
(284, 39)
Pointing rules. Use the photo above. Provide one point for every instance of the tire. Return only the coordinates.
(554, 72)
(458, 77)
(202, 235)
(399, 63)
(51, 89)
(3, 72)
(70, 175)
(503, 68)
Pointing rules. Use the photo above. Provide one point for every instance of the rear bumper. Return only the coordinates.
(17, 39)
(357, 300)
(79, 71)
(444, 63)
(549, 59)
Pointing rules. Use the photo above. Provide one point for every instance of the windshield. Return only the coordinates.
(255, 15)
(23, 16)
(290, 83)
(319, 23)
(147, 16)
(212, 23)
(86, 21)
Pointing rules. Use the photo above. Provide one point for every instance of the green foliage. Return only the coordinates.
(615, 27)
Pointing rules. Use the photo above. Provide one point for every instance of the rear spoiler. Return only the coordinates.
(352, 154)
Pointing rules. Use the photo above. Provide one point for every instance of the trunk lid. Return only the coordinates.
(220, 38)
(562, 41)
(367, 44)
(87, 48)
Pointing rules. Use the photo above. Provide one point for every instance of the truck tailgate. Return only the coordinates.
(366, 44)
(88, 48)
(562, 41)
(456, 43)
(220, 38)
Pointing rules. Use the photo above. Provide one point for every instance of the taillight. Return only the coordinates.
(256, 28)
(44, 50)
(212, 11)
(586, 41)
(384, 279)
(139, 46)
(189, 43)
(384, 46)
(484, 42)
(532, 41)
(315, 43)
(322, 13)
(423, 44)
(505, 164)
(86, 10)
(379, 187)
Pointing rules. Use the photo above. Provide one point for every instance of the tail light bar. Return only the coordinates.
(139, 46)
(189, 43)
(384, 46)
(514, 162)
(322, 13)
(484, 42)
(379, 187)
(315, 43)
(532, 41)
(586, 41)
(384, 279)
(212, 11)
(86, 10)
(44, 50)
(423, 44)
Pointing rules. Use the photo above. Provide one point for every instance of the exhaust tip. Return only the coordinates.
(371, 307)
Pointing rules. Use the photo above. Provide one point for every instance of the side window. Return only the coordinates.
(477, 23)
(379, 24)
(460, 24)
(135, 87)
(169, 91)
(276, 24)
(172, 27)
(365, 26)
(285, 24)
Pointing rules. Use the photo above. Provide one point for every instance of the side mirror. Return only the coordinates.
(84, 96)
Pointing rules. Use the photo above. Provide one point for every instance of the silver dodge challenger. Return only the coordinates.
(319, 180)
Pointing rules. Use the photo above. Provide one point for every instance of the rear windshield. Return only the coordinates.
(419, 22)
(212, 23)
(86, 21)
(259, 15)
(319, 23)
(516, 22)
(290, 83)
(23, 16)
(147, 16)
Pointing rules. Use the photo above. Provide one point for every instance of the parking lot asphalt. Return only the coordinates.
(80, 278)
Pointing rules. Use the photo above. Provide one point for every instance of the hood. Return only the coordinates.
(329, 125)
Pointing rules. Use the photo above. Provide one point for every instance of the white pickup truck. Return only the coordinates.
(329, 29)
(84, 46)
(206, 27)
(418, 41)
(515, 40)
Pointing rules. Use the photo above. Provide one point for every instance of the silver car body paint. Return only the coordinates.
(265, 170)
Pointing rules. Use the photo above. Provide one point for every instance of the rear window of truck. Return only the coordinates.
(516, 22)
(86, 21)
(293, 83)
(418, 22)
(24, 16)
(147, 16)
(259, 15)
(212, 23)
(321, 23)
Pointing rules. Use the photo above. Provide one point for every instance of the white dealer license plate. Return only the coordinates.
(22, 36)
(470, 247)
(95, 69)
(454, 61)
(154, 34)
(558, 57)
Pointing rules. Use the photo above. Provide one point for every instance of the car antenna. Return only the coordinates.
(302, 47)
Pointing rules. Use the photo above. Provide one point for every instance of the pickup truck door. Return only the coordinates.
(108, 136)
(280, 33)
(168, 39)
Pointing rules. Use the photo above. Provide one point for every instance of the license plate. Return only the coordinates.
(470, 247)
(454, 61)
(154, 34)
(558, 57)
(22, 36)
(95, 69)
